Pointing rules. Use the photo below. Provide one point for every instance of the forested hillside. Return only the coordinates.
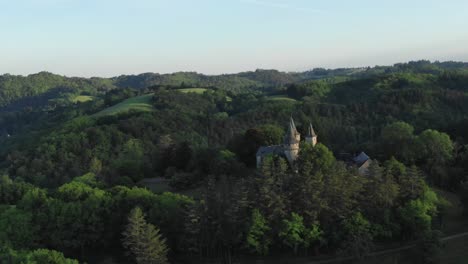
(83, 161)
(22, 91)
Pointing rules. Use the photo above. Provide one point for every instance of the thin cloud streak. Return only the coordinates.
(281, 6)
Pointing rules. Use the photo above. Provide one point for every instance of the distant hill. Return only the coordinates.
(34, 90)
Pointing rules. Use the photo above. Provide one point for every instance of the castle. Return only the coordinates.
(290, 148)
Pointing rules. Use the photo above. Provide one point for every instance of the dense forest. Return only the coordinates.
(160, 168)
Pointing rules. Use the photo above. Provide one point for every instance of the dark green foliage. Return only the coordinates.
(431, 247)
(10, 191)
(17, 229)
(358, 236)
(315, 89)
(409, 118)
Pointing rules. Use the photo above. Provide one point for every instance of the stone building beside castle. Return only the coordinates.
(290, 147)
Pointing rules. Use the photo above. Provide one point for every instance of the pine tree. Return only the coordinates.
(143, 240)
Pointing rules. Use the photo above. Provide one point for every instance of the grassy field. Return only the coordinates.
(193, 90)
(82, 99)
(139, 103)
(281, 98)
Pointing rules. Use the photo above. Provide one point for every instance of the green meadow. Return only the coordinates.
(138, 103)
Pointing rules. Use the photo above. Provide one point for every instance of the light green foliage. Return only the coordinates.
(82, 99)
(38, 256)
(435, 146)
(319, 158)
(139, 103)
(226, 154)
(193, 90)
(78, 191)
(143, 240)
(312, 235)
(417, 214)
(436, 151)
(295, 234)
(43, 256)
(257, 236)
(127, 198)
(281, 98)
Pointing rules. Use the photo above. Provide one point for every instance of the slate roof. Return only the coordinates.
(274, 150)
(290, 137)
(361, 159)
(311, 131)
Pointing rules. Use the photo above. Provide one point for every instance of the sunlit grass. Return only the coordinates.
(193, 90)
(82, 99)
(139, 103)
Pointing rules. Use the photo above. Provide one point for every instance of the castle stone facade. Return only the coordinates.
(290, 147)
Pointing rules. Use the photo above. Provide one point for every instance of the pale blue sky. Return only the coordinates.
(113, 37)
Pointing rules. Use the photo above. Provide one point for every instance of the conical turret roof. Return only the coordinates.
(292, 132)
(311, 131)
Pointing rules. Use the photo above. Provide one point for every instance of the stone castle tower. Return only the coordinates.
(290, 147)
(291, 142)
(311, 136)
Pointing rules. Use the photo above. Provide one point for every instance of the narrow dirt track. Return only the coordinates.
(384, 252)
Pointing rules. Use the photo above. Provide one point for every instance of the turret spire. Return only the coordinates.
(311, 135)
(311, 131)
(292, 137)
(292, 126)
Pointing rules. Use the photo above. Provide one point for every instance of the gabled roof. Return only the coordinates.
(361, 159)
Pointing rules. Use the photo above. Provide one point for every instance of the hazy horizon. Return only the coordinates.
(228, 73)
(110, 38)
